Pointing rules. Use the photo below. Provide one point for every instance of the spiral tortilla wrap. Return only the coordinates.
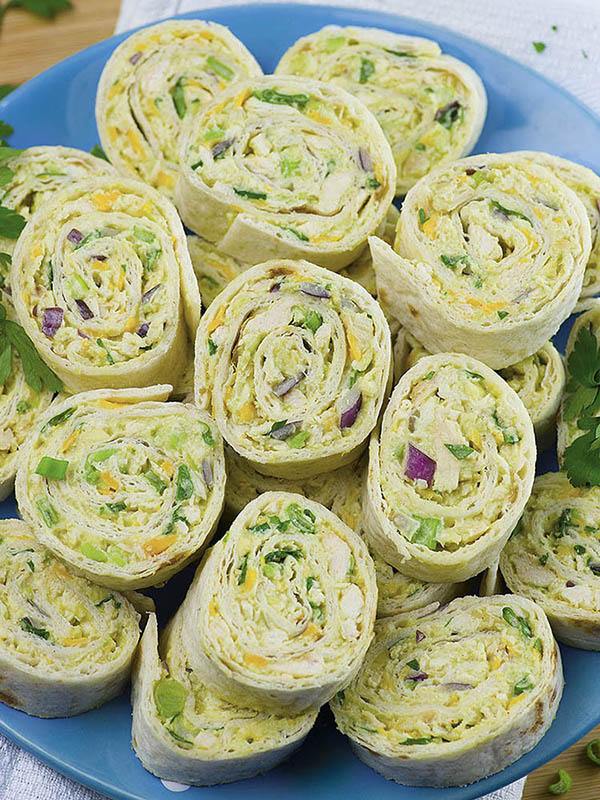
(207, 740)
(293, 362)
(282, 167)
(455, 696)
(451, 470)
(281, 613)
(102, 282)
(553, 558)
(67, 644)
(124, 488)
(430, 106)
(489, 258)
(539, 380)
(155, 80)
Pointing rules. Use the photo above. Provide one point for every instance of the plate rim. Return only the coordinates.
(72, 771)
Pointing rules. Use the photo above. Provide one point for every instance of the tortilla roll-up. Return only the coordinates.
(430, 106)
(539, 380)
(124, 488)
(281, 167)
(293, 362)
(586, 185)
(37, 173)
(450, 471)
(553, 557)
(579, 413)
(66, 644)
(489, 258)
(454, 696)
(155, 80)
(103, 284)
(183, 731)
(340, 491)
(281, 612)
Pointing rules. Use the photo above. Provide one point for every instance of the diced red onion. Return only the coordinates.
(595, 567)
(150, 293)
(98, 258)
(74, 236)
(85, 311)
(52, 320)
(288, 384)
(365, 160)
(570, 584)
(135, 58)
(207, 473)
(82, 334)
(458, 687)
(419, 636)
(419, 466)
(274, 288)
(351, 405)
(221, 147)
(285, 431)
(143, 329)
(418, 676)
(314, 290)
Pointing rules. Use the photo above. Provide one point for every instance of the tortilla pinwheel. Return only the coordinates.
(293, 363)
(103, 284)
(553, 557)
(281, 612)
(450, 471)
(489, 258)
(281, 167)
(183, 731)
(66, 644)
(454, 696)
(124, 488)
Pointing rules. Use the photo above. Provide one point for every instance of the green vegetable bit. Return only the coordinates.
(422, 740)
(26, 625)
(169, 696)
(508, 212)
(222, 70)
(47, 512)
(592, 751)
(539, 47)
(249, 194)
(367, 68)
(52, 468)
(427, 532)
(452, 262)
(460, 451)
(279, 556)
(92, 552)
(302, 519)
(502, 314)
(109, 357)
(563, 784)
(298, 440)
(11, 223)
(243, 570)
(522, 685)
(422, 217)
(274, 97)
(59, 419)
(185, 485)
(516, 621)
(155, 481)
(207, 435)
(178, 96)
(212, 347)
(98, 152)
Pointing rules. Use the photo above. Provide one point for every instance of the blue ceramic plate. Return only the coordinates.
(525, 111)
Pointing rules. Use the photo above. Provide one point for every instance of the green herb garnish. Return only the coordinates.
(460, 451)
(539, 47)
(367, 68)
(11, 223)
(37, 374)
(274, 97)
(26, 625)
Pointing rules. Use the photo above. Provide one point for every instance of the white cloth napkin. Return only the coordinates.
(571, 59)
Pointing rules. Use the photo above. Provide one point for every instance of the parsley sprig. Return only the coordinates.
(582, 405)
(47, 9)
(37, 374)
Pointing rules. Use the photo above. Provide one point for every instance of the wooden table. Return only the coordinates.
(28, 46)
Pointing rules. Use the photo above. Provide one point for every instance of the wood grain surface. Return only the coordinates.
(28, 46)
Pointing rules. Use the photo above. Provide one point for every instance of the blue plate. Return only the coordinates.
(525, 111)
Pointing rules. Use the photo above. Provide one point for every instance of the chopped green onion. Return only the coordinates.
(47, 512)
(221, 69)
(92, 552)
(26, 625)
(460, 451)
(185, 485)
(54, 469)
